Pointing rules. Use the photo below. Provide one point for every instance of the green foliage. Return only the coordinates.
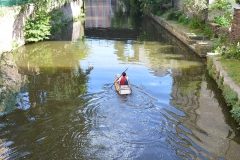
(237, 1)
(185, 20)
(152, 6)
(224, 8)
(222, 5)
(222, 21)
(232, 51)
(220, 42)
(172, 15)
(15, 44)
(195, 6)
(230, 96)
(37, 28)
(56, 20)
(208, 31)
(196, 23)
(210, 66)
(159, 13)
(3, 12)
(236, 112)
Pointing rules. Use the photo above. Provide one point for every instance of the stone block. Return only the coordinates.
(203, 47)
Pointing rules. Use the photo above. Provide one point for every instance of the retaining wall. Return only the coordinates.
(13, 19)
(199, 44)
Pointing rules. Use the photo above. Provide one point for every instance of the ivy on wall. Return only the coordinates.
(37, 27)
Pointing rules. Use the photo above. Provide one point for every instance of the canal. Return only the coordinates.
(58, 100)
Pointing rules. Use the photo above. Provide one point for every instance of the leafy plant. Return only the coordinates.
(222, 21)
(196, 23)
(208, 31)
(57, 21)
(185, 20)
(225, 17)
(230, 96)
(236, 112)
(172, 15)
(3, 12)
(152, 6)
(37, 28)
(195, 6)
(231, 51)
(221, 5)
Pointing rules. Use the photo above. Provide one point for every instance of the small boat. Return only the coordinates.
(122, 89)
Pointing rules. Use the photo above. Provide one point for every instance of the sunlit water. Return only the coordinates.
(67, 106)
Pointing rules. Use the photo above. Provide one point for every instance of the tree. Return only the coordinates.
(196, 7)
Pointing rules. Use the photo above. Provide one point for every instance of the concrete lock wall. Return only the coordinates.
(12, 20)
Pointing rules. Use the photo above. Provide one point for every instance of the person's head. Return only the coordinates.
(123, 74)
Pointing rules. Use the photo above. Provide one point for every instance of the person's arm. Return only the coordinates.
(119, 79)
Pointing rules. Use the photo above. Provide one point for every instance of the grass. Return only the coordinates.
(187, 29)
(232, 68)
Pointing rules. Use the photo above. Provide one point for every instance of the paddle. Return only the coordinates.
(119, 77)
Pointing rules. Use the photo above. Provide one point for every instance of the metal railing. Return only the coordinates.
(9, 3)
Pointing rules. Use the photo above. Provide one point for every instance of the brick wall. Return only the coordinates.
(235, 28)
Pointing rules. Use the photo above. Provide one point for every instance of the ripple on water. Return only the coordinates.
(128, 126)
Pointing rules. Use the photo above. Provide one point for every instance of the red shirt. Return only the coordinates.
(123, 81)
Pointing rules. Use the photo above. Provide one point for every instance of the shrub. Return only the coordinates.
(195, 6)
(232, 51)
(184, 19)
(236, 112)
(224, 8)
(172, 15)
(159, 13)
(194, 23)
(210, 67)
(230, 96)
(222, 21)
(208, 31)
(37, 28)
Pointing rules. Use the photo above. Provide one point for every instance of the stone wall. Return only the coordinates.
(13, 19)
(177, 5)
(11, 27)
(198, 44)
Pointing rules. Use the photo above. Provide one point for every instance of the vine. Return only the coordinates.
(38, 27)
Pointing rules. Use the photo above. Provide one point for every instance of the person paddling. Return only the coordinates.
(123, 80)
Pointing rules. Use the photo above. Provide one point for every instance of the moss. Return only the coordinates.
(210, 66)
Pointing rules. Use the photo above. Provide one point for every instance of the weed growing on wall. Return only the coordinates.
(37, 28)
(56, 21)
(223, 7)
(230, 96)
(3, 12)
(236, 112)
